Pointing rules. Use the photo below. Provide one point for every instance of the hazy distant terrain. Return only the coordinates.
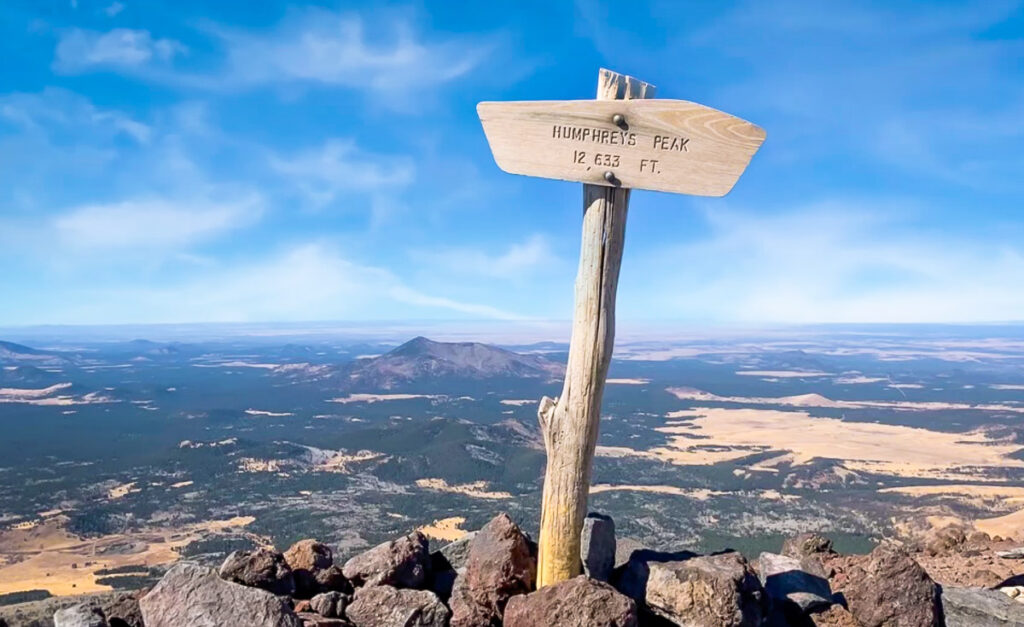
(118, 456)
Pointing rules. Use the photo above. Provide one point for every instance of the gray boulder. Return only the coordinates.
(401, 563)
(978, 607)
(791, 588)
(597, 546)
(456, 553)
(578, 602)
(707, 591)
(263, 568)
(195, 596)
(81, 615)
(386, 606)
(330, 604)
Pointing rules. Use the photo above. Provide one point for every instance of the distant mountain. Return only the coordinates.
(20, 355)
(422, 359)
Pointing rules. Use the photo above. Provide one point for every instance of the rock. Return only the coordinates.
(312, 619)
(945, 540)
(81, 615)
(313, 568)
(262, 568)
(500, 566)
(790, 587)
(456, 553)
(194, 595)
(578, 602)
(401, 563)
(1011, 554)
(624, 548)
(330, 604)
(806, 544)
(888, 588)
(122, 610)
(977, 607)
(597, 546)
(835, 616)
(699, 591)
(387, 606)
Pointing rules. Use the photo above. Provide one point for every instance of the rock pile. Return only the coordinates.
(487, 580)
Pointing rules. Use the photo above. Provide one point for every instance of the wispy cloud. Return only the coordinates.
(306, 282)
(341, 50)
(82, 50)
(519, 262)
(153, 223)
(828, 262)
(338, 166)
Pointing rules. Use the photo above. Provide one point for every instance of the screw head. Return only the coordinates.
(610, 177)
(619, 120)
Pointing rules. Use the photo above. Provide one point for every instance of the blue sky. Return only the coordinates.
(240, 161)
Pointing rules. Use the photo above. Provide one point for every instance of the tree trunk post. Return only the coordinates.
(570, 423)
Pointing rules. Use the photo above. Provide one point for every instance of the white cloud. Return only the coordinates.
(336, 49)
(520, 261)
(82, 50)
(56, 110)
(113, 9)
(307, 282)
(340, 166)
(153, 223)
(834, 262)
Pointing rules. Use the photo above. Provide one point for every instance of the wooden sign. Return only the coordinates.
(664, 145)
(623, 140)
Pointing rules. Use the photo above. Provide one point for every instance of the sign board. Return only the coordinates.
(663, 145)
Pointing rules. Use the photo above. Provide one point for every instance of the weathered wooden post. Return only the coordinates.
(618, 142)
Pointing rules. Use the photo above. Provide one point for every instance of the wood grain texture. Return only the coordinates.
(570, 423)
(664, 145)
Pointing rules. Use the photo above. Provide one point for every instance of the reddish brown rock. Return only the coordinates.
(579, 602)
(500, 566)
(835, 616)
(313, 568)
(401, 563)
(887, 588)
(386, 606)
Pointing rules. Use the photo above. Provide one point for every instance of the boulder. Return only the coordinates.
(835, 616)
(194, 595)
(262, 568)
(456, 553)
(401, 563)
(578, 602)
(313, 568)
(387, 606)
(624, 548)
(791, 588)
(712, 590)
(122, 610)
(806, 544)
(312, 619)
(978, 607)
(888, 588)
(330, 604)
(81, 615)
(500, 565)
(597, 546)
